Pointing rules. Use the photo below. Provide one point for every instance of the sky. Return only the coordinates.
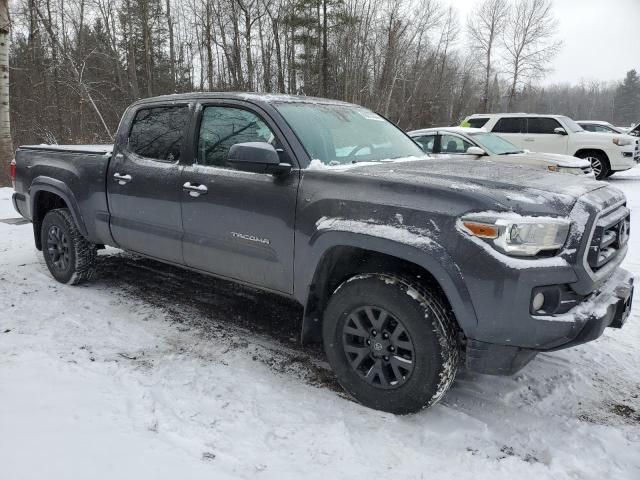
(601, 38)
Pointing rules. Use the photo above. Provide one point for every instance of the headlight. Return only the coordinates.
(573, 170)
(622, 141)
(516, 235)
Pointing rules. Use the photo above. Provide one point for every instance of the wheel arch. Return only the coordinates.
(47, 194)
(584, 151)
(336, 256)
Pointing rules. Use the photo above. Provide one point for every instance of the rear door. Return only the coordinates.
(511, 129)
(143, 182)
(541, 136)
(238, 224)
(427, 142)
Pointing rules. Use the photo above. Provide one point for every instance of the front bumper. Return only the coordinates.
(609, 306)
(627, 157)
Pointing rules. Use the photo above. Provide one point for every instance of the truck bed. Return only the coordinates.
(88, 149)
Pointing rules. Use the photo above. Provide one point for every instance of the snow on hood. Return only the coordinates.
(602, 137)
(555, 159)
(513, 186)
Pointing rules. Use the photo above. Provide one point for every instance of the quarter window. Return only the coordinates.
(542, 125)
(509, 125)
(223, 127)
(477, 122)
(426, 142)
(158, 133)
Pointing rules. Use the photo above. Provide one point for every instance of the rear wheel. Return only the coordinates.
(68, 255)
(599, 163)
(391, 342)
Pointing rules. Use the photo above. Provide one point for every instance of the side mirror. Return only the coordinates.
(559, 131)
(476, 151)
(256, 157)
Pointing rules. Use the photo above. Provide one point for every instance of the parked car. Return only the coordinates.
(607, 153)
(402, 263)
(477, 143)
(599, 126)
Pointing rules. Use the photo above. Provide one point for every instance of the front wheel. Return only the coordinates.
(68, 255)
(599, 164)
(391, 342)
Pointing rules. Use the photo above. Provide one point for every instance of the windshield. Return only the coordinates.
(494, 144)
(571, 125)
(342, 134)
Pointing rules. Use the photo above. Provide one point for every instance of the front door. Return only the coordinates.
(452, 144)
(143, 183)
(237, 224)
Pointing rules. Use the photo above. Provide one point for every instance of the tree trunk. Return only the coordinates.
(325, 53)
(208, 43)
(131, 57)
(6, 146)
(172, 49)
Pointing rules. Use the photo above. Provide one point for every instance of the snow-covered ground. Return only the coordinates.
(151, 373)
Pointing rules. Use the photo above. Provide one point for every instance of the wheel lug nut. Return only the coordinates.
(368, 342)
(385, 335)
(374, 333)
(392, 348)
(386, 358)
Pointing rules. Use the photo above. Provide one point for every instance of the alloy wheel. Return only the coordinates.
(58, 248)
(378, 347)
(596, 165)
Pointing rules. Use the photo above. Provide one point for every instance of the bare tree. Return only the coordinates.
(6, 146)
(485, 24)
(529, 43)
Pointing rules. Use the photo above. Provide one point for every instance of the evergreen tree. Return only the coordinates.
(627, 100)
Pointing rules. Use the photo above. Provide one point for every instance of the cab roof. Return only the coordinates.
(461, 130)
(521, 114)
(246, 96)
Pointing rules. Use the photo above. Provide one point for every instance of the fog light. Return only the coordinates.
(537, 302)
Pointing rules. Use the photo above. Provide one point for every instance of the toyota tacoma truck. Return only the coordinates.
(407, 267)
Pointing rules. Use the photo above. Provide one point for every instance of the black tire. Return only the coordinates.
(599, 163)
(70, 258)
(426, 357)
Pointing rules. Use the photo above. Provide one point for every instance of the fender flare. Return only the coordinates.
(59, 188)
(434, 259)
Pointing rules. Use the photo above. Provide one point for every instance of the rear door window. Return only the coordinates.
(509, 125)
(426, 142)
(477, 122)
(542, 125)
(158, 132)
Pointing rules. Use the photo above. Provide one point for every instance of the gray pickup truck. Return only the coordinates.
(406, 267)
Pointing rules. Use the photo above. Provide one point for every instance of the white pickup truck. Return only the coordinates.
(608, 153)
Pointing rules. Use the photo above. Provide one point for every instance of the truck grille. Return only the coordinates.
(611, 234)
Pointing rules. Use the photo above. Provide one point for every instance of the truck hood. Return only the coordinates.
(516, 188)
(601, 137)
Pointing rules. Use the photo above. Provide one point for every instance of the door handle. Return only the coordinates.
(122, 179)
(195, 190)
(529, 139)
